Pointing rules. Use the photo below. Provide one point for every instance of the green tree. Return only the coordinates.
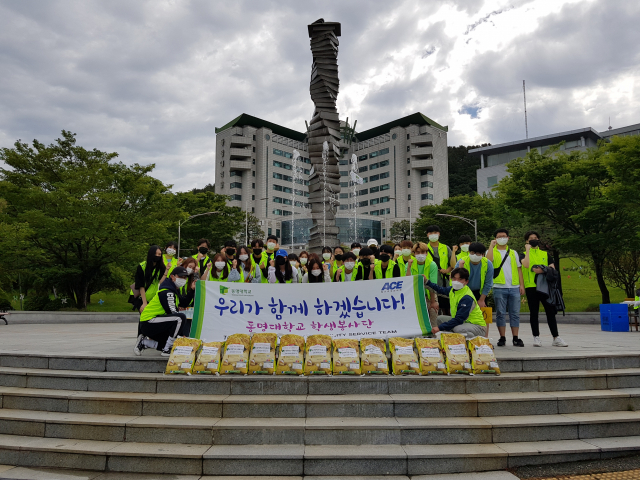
(86, 217)
(401, 231)
(255, 231)
(462, 170)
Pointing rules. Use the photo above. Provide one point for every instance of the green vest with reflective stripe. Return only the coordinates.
(154, 308)
(354, 272)
(266, 258)
(153, 288)
(484, 265)
(166, 260)
(637, 299)
(536, 257)
(497, 260)
(207, 261)
(475, 316)
(403, 265)
(462, 256)
(213, 279)
(377, 270)
(443, 253)
(426, 272)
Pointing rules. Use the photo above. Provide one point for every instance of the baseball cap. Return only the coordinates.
(180, 272)
(281, 253)
(372, 241)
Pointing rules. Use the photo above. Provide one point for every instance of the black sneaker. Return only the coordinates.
(502, 342)
(139, 345)
(165, 353)
(518, 342)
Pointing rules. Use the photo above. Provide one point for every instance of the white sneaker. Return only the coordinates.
(558, 342)
(139, 345)
(537, 342)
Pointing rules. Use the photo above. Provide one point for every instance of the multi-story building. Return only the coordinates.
(494, 158)
(403, 165)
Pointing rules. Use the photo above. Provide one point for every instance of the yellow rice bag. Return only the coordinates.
(403, 356)
(346, 358)
(318, 355)
(374, 358)
(208, 360)
(236, 354)
(263, 353)
(455, 351)
(430, 355)
(291, 356)
(183, 354)
(483, 358)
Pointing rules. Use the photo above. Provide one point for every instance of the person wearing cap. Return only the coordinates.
(280, 270)
(445, 260)
(162, 322)
(372, 243)
(384, 267)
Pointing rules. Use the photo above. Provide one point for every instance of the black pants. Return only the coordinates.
(534, 300)
(164, 326)
(476, 293)
(445, 306)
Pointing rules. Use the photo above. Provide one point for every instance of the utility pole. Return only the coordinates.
(524, 94)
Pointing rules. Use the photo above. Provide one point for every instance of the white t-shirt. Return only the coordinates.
(347, 276)
(506, 269)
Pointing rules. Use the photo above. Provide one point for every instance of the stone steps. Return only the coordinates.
(336, 460)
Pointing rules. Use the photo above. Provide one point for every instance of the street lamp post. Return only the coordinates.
(185, 221)
(473, 223)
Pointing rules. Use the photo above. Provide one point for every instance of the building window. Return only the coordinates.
(388, 211)
(235, 185)
(408, 173)
(278, 232)
(384, 187)
(426, 172)
(282, 153)
(344, 184)
(233, 173)
(364, 203)
(363, 157)
(373, 178)
(426, 196)
(254, 149)
(344, 195)
(253, 185)
(375, 201)
(364, 191)
(253, 173)
(253, 209)
(409, 185)
(286, 166)
(269, 230)
(254, 161)
(254, 137)
(363, 169)
(408, 160)
(374, 189)
(408, 209)
(344, 162)
(384, 151)
(236, 197)
(384, 199)
(344, 174)
(384, 232)
(408, 197)
(407, 136)
(408, 148)
(384, 175)
(492, 181)
(253, 197)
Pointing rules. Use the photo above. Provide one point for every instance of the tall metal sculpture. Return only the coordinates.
(324, 135)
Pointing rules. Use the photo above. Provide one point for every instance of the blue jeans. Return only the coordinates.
(507, 297)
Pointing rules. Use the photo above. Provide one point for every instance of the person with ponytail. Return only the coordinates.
(149, 275)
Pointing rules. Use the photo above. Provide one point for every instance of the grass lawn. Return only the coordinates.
(112, 302)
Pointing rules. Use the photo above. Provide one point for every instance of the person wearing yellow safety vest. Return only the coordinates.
(508, 286)
(406, 254)
(463, 247)
(466, 317)
(280, 270)
(225, 272)
(201, 257)
(229, 250)
(350, 271)
(189, 265)
(302, 261)
(162, 322)
(249, 269)
(532, 260)
(170, 258)
(272, 248)
(338, 260)
(445, 260)
(417, 265)
(149, 275)
(259, 260)
(384, 267)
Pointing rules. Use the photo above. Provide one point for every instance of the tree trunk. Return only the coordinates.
(600, 278)
(630, 290)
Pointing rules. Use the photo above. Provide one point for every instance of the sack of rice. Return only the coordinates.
(346, 357)
(236, 354)
(483, 358)
(403, 357)
(318, 355)
(263, 353)
(374, 358)
(430, 355)
(455, 352)
(183, 354)
(208, 360)
(291, 355)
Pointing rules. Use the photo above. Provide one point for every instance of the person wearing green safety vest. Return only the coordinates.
(259, 260)
(480, 273)
(384, 267)
(225, 272)
(406, 254)
(248, 266)
(466, 317)
(417, 265)
(229, 251)
(162, 322)
(338, 260)
(170, 258)
(445, 260)
(508, 286)
(463, 247)
(637, 298)
(280, 270)
(350, 271)
(201, 257)
(189, 265)
(532, 261)
(149, 275)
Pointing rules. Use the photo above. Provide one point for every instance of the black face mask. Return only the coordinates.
(338, 257)
(158, 259)
(257, 252)
(384, 257)
(375, 249)
(365, 262)
(534, 243)
(230, 251)
(203, 250)
(280, 261)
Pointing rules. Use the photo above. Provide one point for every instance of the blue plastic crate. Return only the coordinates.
(614, 317)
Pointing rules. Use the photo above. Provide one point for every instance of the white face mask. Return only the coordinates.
(406, 252)
(349, 265)
(180, 282)
(434, 237)
(421, 257)
(293, 263)
(220, 265)
(271, 245)
(244, 258)
(326, 256)
(397, 252)
(475, 258)
(465, 247)
(457, 285)
(502, 240)
(303, 260)
(315, 273)
(189, 270)
(171, 252)
(356, 251)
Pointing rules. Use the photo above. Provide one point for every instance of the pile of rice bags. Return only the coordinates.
(318, 355)
(346, 357)
(456, 354)
(374, 358)
(291, 357)
(208, 360)
(403, 356)
(236, 354)
(483, 358)
(431, 359)
(183, 354)
(263, 353)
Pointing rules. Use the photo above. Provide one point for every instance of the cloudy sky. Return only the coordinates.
(152, 79)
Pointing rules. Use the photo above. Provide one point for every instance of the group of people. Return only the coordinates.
(458, 280)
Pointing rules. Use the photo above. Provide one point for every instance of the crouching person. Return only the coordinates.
(466, 317)
(161, 322)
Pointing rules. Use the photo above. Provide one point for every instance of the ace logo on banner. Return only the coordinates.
(372, 308)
